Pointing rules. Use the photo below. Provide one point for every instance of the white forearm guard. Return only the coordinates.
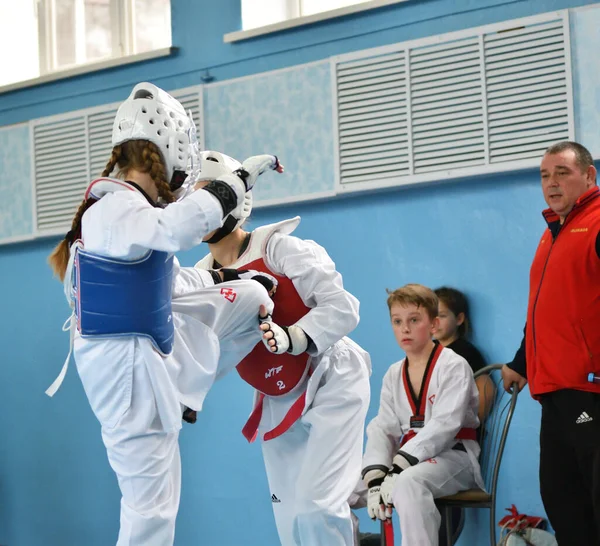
(288, 339)
(254, 166)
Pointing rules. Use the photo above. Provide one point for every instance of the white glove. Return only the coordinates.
(375, 507)
(268, 281)
(400, 462)
(282, 339)
(256, 165)
(387, 487)
(241, 181)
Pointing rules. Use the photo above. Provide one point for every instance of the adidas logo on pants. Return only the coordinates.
(584, 418)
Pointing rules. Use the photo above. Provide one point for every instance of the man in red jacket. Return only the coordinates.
(561, 346)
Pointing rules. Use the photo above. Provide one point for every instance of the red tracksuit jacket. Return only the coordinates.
(563, 316)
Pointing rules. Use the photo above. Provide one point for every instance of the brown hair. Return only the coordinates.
(457, 302)
(583, 158)
(415, 294)
(139, 155)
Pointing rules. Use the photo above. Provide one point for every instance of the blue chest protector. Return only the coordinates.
(116, 298)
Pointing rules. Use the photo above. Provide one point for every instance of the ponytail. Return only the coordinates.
(115, 157)
(154, 165)
(59, 258)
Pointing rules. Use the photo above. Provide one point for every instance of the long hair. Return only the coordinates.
(139, 155)
(457, 302)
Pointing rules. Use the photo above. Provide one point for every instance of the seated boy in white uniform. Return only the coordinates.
(421, 445)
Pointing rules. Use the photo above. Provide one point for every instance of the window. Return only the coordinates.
(259, 13)
(18, 28)
(310, 7)
(55, 35)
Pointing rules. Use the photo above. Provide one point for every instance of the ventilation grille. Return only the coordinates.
(61, 170)
(72, 150)
(191, 100)
(372, 117)
(447, 106)
(463, 105)
(99, 139)
(527, 98)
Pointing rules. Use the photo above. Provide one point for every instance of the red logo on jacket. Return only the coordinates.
(229, 294)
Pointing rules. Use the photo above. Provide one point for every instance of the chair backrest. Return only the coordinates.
(494, 429)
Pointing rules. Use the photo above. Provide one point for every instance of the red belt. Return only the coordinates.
(250, 430)
(388, 532)
(463, 434)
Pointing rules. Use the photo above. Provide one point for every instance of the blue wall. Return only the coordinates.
(56, 488)
(16, 217)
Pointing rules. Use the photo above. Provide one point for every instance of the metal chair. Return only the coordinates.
(494, 432)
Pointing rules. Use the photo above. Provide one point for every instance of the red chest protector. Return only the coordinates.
(271, 374)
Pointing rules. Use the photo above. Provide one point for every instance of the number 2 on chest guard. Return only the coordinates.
(281, 385)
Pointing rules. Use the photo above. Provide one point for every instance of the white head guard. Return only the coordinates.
(149, 113)
(212, 166)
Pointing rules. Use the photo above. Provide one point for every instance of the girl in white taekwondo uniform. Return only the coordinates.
(312, 383)
(139, 362)
(421, 445)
